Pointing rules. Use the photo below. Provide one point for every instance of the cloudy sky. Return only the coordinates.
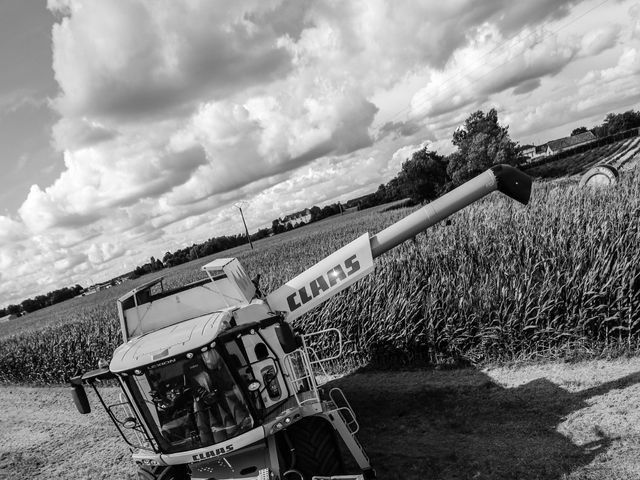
(130, 128)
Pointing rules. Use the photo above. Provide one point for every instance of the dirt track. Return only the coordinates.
(551, 421)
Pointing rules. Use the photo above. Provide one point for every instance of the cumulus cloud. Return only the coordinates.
(628, 65)
(134, 59)
(11, 230)
(269, 135)
(634, 17)
(527, 86)
(405, 153)
(478, 71)
(71, 133)
(402, 129)
(513, 16)
(324, 180)
(99, 253)
(598, 92)
(387, 36)
(96, 180)
(602, 87)
(69, 262)
(597, 41)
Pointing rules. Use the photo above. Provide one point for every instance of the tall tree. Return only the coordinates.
(619, 122)
(423, 176)
(481, 143)
(578, 131)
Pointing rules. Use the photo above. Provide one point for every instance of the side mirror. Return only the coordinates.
(80, 398)
(286, 337)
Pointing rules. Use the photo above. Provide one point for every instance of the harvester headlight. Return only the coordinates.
(287, 420)
(279, 425)
(254, 386)
(137, 372)
(129, 422)
(189, 355)
(102, 363)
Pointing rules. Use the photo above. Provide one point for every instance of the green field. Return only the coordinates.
(559, 278)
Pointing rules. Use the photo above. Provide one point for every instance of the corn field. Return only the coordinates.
(559, 278)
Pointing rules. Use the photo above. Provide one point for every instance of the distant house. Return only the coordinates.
(100, 286)
(541, 150)
(297, 219)
(567, 143)
(528, 151)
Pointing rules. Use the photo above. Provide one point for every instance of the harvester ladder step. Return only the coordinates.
(344, 409)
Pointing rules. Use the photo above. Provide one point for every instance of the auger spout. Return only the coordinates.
(504, 178)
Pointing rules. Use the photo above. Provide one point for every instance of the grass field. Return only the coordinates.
(559, 278)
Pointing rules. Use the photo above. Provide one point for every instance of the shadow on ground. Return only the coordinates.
(462, 425)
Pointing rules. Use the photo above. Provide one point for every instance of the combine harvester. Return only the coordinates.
(216, 384)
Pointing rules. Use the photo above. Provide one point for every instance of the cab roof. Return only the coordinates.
(170, 341)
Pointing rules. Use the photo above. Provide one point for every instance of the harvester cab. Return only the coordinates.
(215, 384)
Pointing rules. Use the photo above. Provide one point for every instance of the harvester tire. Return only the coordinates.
(175, 472)
(316, 448)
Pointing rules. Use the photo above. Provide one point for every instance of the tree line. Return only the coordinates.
(36, 303)
(613, 123)
(480, 142)
(195, 251)
(209, 247)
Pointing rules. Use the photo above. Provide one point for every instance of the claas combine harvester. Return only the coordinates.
(217, 385)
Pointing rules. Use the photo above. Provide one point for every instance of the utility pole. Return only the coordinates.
(239, 207)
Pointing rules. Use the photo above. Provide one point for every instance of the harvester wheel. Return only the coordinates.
(316, 449)
(174, 472)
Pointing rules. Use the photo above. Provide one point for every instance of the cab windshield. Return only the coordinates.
(191, 402)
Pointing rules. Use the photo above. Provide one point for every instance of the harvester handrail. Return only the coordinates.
(319, 332)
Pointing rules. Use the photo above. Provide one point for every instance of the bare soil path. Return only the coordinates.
(545, 421)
